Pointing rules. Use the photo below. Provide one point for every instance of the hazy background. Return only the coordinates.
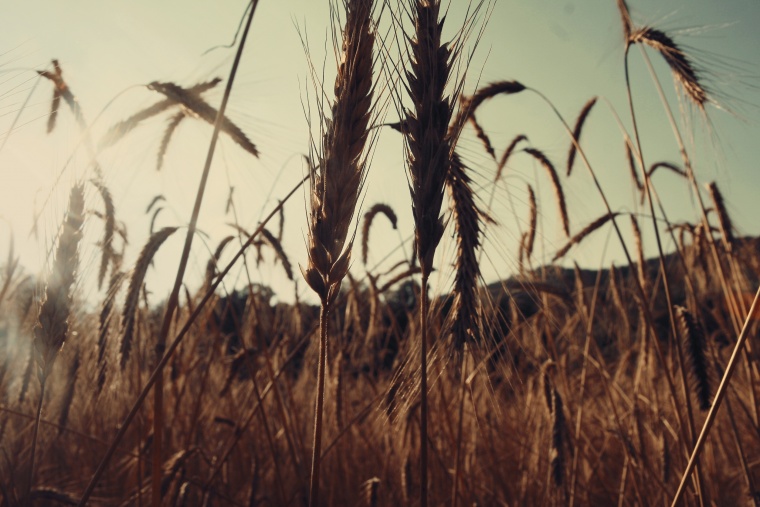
(570, 51)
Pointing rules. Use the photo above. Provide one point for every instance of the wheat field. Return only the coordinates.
(458, 350)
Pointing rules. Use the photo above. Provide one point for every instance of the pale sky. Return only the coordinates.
(570, 51)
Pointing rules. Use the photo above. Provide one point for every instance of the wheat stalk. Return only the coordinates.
(427, 130)
(335, 188)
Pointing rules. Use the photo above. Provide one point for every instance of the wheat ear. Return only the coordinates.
(109, 217)
(683, 70)
(133, 291)
(596, 224)
(508, 153)
(52, 323)
(640, 261)
(530, 239)
(466, 306)
(335, 188)
(724, 220)
(194, 105)
(579, 123)
(369, 216)
(694, 341)
(556, 185)
(52, 326)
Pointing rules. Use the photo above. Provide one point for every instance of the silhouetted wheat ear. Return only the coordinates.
(109, 219)
(339, 177)
(625, 18)
(492, 90)
(466, 306)
(666, 165)
(483, 136)
(68, 393)
(52, 326)
(640, 261)
(427, 127)
(133, 290)
(577, 133)
(61, 90)
(557, 454)
(120, 129)
(632, 166)
(556, 185)
(508, 153)
(194, 105)
(617, 298)
(694, 342)
(724, 220)
(369, 216)
(117, 277)
(273, 242)
(170, 128)
(212, 262)
(532, 223)
(596, 224)
(683, 70)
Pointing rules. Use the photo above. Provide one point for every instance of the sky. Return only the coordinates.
(569, 51)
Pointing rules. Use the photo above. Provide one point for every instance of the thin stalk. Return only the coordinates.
(719, 395)
(458, 464)
(423, 392)
(317, 448)
(171, 306)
